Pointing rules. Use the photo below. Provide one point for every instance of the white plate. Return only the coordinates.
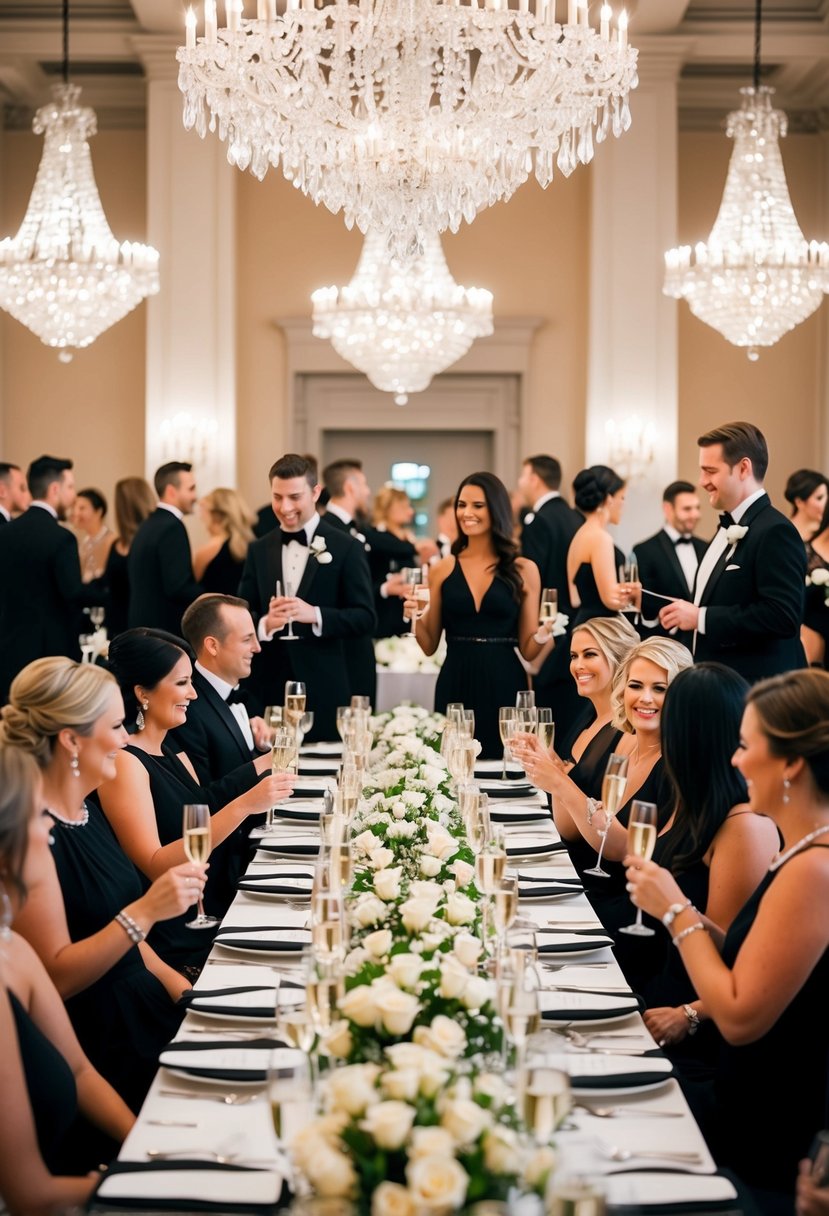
(613, 1091)
(562, 956)
(248, 1019)
(249, 953)
(544, 899)
(551, 1023)
(274, 896)
(527, 858)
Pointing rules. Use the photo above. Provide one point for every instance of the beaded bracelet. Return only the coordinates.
(132, 929)
(674, 911)
(685, 932)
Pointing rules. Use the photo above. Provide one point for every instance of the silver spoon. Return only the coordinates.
(615, 1112)
(227, 1099)
(614, 1153)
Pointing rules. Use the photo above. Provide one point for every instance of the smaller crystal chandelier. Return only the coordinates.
(402, 322)
(756, 277)
(65, 276)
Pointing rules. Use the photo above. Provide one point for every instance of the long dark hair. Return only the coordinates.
(143, 657)
(500, 517)
(700, 732)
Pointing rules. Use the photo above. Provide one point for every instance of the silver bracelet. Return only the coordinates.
(132, 929)
(686, 932)
(674, 911)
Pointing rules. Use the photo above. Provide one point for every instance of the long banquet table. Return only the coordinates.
(192, 1117)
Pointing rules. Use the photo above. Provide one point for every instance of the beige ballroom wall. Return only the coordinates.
(91, 409)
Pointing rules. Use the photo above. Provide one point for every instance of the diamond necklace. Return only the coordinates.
(70, 823)
(796, 848)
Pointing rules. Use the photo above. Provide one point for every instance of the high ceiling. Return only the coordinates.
(714, 38)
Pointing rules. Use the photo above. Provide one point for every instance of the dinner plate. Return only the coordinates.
(263, 895)
(238, 1064)
(578, 1009)
(297, 849)
(614, 1091)
(542, 853)
(287, 996)
(289, 942)
(531, 897)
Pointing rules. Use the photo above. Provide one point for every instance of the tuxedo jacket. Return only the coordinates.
(754, 598)
(41, 593)
(212, 738)
(160, 570)
(660, 570)
(341, 588)
(545, 541)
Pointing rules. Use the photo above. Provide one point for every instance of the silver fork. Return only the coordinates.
(614, 1153)
(205, 1154)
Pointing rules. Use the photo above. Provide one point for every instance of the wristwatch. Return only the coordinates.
(693, 1018)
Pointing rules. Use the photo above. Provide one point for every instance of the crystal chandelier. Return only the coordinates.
(402, 322)
(408, 115)
(64, 275)
(756, 277)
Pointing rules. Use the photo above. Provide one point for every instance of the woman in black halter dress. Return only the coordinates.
(593, 560)
(486, 598)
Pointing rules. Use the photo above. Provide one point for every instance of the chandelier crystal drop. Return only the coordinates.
(408, 116)
(756, 277)
(402, 322)
(64, 275)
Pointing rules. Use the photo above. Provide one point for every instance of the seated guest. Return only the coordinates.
(154, 779)
(95, 539)
(46, 1080)
(218, 736)
(219, 563)
(86, 915)
(134, 502)
(765, 982)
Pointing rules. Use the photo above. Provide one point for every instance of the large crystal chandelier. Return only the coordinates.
(756, 277)
(402, 322)
(408, 115)
(65, 276)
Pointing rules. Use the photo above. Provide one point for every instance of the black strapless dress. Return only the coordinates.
(590, 601)
(223, 574)
(53, 1095)
(124, 1019)
(481, 668)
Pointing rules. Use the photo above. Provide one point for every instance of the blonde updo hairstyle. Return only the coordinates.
(384, 500)
(51, 695)
(793, 712)
(613, 635)
(18, 785)
(671, 656)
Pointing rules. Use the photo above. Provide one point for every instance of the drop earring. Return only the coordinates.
(139, 717)
(75, 766)
(787, 785)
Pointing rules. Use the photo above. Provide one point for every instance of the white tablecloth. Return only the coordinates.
(395, 687)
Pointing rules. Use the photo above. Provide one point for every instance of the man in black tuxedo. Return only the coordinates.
(668, 561)
(160, 564)
(329, 605)
(41, 593)
(218, 735)
(549, 526)
(14, 493)
(748, 597)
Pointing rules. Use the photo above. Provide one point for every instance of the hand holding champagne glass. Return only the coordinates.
(283, 752)
(196, 835)
(548, 609)
(613, 795)
(289, 593)
(414, 580)
(642, 829)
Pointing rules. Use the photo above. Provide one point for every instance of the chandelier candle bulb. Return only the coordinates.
(623, 30)
(190, 29)
(210, 22)
(606, 15)
(571, 12)
(584, 20)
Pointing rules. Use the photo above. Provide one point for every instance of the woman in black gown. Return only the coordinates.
(765, 984)
(218, 564)
(486, 598)
(120, 996)
(134, 502)
(46, 1081)
(152, 781)
(593, 560)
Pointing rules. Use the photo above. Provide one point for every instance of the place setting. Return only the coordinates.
(278, 885)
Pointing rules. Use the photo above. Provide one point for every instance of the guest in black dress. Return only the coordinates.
(593, 560)
(87, 910)
(486, 598)
(46, 1081)
(219, 563)
(134, 502)
(152, 781)
(765, 983)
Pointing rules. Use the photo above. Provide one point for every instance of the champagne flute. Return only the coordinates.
(413, 577)
(525, 699)
(506, 719)
(362, 702)
(289, 593)
(547, 1102)
(613, 792)
(96, 615)
(283, 751)
(305, 724)
(642, 829)
(323, 990)
(422, 596)
(196, 836)
(478, 827)
(505, 908)
(294, 702)
(545, 727)
(548, 607)
(290, 1082)
(343, 717)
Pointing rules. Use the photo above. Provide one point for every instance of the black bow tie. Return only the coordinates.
(299, 537)
(726, 519)
(684, 540)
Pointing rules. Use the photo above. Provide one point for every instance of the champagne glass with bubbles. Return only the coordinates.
(642, 829)
(613, 794)
(289, 592)
(196, 835)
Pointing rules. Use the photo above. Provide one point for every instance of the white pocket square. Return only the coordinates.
(732, 567)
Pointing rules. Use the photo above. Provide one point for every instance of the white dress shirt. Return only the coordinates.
(686, 555)
(294, 560)
(44, 506)
(5, 515)
(168, 506)
(224, 690)
(539, 502)
(715, 551)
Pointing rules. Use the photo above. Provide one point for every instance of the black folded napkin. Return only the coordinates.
(551, 846)
(235, 1075)
(297, 816)
(277, 875)
(318, 772)
(627, 1004)
(295, 850)
(273, 888)
(621, 1080)
(104, 1203)
(270, 945)
(305, 792)
(530, 816)
(548, 892)
(560, 882)
(194, 999)
(591, 942)
(516, 790)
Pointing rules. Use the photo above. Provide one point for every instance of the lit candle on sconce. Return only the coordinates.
(623, 30)
(571, 12)
(606, 14)
(190, 29)
(584, 21)
(210, 22)
(234, 10)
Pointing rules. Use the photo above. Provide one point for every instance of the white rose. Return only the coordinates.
(437, 1184)
(490, 1085)
(414, 798)
(441, 846)
(378, 943)
(405, 969)
(467, 949)
(409, 1055)
(360, 1005)
(463, 871)
(368, 910)
(331, 1173)
(352, 1088)
(430, 866)
(354, 960)
(460, 910)
(389, 1123)
(338, 1041)
(423, 889)
(416, 913)
(392, 1199)
(434, 1075)
(465, 1120)
(431, 1142)
(387, 883)
(541, 1165)
(381, 858)
(444, 1036)
(453, 978)
(501, 1154)
(397, 1010)
(366, 842)
(477, 992)
(401, 1084)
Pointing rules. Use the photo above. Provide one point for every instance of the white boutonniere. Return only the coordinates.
(560, 624)
(734, 534)
(318, 550)
(820, 578)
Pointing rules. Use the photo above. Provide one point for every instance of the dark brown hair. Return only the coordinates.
(740, 440)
